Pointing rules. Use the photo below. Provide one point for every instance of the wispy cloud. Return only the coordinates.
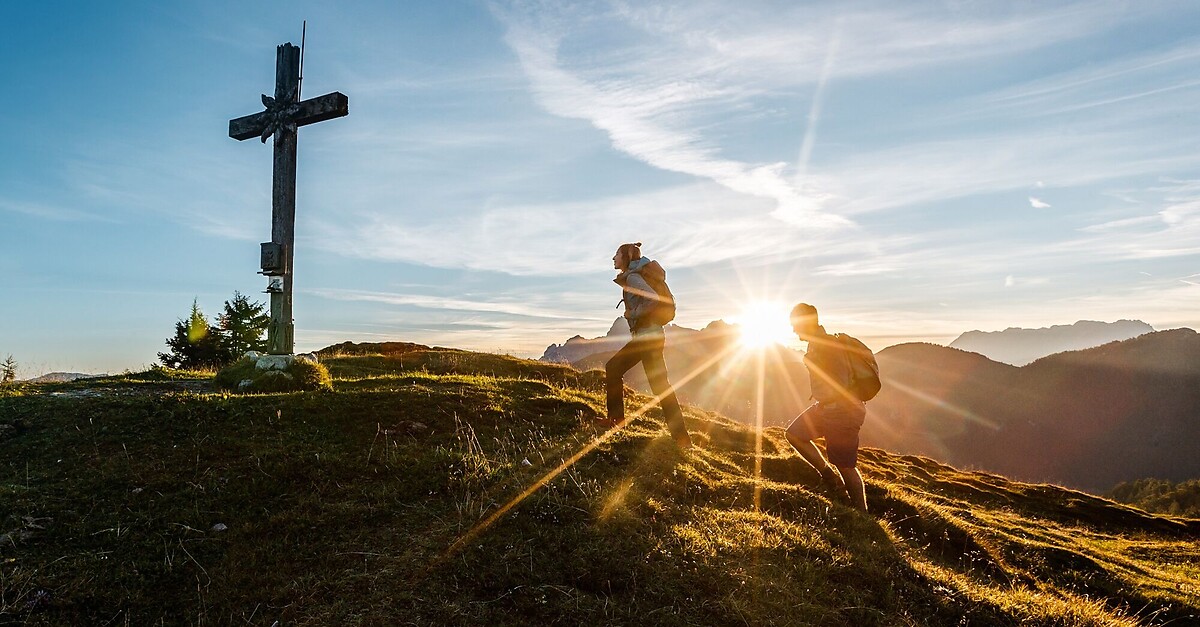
(685, 226)
(937, 170)
(881, 264)
(1096, 84)
(656, 100)
(1125, 97)
(425, 301)
(51, 212)
(1164, 225)
(651, 117)
(1022, 281)
(1163, 305)
(1164, 229)
(1038, 203)
(786, 41)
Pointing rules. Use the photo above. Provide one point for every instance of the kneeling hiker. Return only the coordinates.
(843, 375)
(648, 306)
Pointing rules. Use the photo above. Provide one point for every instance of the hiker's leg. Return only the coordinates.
(842, 425)
(810, 453)
(855, 486)
(656, 374)
(800, 435)
(614, 372)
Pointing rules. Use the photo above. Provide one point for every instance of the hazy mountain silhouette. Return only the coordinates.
(579, 347)
(1018, 346)
(1089, 418)
(61, 377)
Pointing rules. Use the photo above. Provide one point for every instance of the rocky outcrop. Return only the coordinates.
(579, 347)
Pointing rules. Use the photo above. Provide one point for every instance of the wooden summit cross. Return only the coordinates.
(284, 114)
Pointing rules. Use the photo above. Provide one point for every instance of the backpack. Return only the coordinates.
(663, 311)
(864, 371)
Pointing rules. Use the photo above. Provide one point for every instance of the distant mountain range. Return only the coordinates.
(1088, 419)
(62, 377)
(1022, 346)
(579, 347)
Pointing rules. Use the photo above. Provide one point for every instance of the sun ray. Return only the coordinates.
(814, 111)
(738, 362)
(938, 447)
(759, 395)
(483, 525)
(783, 374)
(944, 404)
(720, 381)
(677, 341)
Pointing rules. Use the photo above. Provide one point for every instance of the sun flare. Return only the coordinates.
(764, 323)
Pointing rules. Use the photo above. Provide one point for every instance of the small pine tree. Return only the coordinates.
(196, 345)
(244, 325)
(8, 370)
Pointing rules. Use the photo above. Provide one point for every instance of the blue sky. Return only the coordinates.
(915, 170)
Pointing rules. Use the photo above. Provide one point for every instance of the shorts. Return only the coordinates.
(839, 423)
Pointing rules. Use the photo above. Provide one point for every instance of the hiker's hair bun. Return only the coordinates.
(633, 250)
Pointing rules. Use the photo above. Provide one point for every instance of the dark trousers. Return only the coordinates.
(647, 349)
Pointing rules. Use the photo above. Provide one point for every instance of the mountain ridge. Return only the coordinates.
(1089, 418)
(62, 377)
(1019, 346)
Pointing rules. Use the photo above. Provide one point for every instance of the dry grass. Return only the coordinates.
(351, 507)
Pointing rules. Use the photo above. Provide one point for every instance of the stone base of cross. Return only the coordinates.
(284, 114)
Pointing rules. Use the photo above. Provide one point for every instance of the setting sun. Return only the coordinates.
(763, 324)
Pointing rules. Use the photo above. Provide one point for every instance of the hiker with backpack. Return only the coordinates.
(649, 305)
(843, 376)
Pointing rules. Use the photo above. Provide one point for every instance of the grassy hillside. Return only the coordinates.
(146, 498)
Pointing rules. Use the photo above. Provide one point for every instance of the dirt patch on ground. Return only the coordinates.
(131, 388)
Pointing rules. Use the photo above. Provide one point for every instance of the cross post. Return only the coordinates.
(284, 114)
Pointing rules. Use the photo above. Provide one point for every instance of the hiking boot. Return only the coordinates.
(831, 484)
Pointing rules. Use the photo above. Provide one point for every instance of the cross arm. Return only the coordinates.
(311, 111)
